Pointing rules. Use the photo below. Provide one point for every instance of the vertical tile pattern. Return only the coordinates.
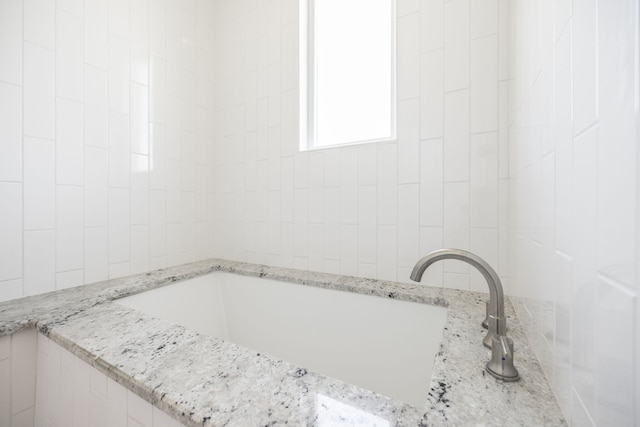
(87, 130)
(18, 359)
(70, 393)
(370, 210)
(574, 114)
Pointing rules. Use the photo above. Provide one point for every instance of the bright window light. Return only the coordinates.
(350, 72)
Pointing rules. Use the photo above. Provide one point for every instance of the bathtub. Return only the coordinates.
(381, 344)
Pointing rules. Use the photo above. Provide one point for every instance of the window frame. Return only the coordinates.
(308, 87)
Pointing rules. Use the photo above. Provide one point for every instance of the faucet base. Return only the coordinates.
(501, 376)
(501, 364)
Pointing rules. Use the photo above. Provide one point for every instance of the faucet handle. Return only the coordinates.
(485, 322)
(496, 326)
(501, 363)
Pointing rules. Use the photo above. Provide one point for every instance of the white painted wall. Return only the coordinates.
(71, 393)
(18, 379)
(574, 132)
(371, 210)
(105, 139)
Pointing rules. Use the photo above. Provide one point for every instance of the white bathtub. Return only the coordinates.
(381, 344)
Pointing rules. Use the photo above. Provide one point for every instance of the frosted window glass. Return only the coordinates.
(353, 68)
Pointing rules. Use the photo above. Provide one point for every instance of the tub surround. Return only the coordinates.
(201, 380)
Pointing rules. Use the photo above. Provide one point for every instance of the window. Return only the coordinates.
(347, 72)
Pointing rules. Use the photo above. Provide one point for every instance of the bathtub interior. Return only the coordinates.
(380, 344)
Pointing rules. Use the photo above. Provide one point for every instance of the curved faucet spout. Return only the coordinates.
(496, 294)
(501, 363)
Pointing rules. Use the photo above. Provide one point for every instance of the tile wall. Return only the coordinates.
(371, 210)
(71, 393)
(105, 139)
(18, 379)
(575, 227)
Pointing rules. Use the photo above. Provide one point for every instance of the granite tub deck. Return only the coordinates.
(205, 381)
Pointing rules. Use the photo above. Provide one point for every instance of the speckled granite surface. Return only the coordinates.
(202, 380)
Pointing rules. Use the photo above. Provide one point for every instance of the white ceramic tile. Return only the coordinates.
(96, 180)
(69, 147)
(11, 289)
(187, 111)
(66, 397)
(10, 131)
(579, 414)
(483, 18)
(139, 118)
(483, 182)
(157, 157)
(349, 249)
(367, 167)
(430, 240)
(96, 33)
(157, 89)
(160, 419)
(119, 18)
(11, 231)
(139, 189)
(408, 141)
(367, 241)
(615, 354)
(387, 208)
(562, 14)
(69, 228)
(456, 221)
(39, 91)
(5, 391)
(387, 252)
(39, 261)
(25, 418)
(81, 400)
(118, 74)
(95, 107)
(408, 56)
(431, 25)
(118, 225)
(121, 269)
(503, 39)
(119, 162)
(5, 347)
(139, 410)
(584, 65)
(39, 184)
(431, 94)
(139, 248)
(23, 370)
(97, 410)
(157, 27)
(483, 94)
(39, 22)
(11, 25)
(74, 7)
(456, 281)
(484, 243)
(431, 182)
(456, 45)
(503, 130)
(408, 225)
(139, 16)
(69, 279)
(68, 56)
(456, 136)
(387, 164)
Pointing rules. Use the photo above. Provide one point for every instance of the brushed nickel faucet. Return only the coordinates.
(501, 363)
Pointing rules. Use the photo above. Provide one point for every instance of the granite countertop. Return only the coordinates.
(205, 381)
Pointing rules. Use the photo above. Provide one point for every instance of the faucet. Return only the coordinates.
(501, 363)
